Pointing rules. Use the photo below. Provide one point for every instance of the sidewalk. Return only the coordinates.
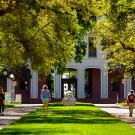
(13, 114)
(119, 112)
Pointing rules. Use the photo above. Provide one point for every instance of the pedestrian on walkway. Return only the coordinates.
(2, 101)
(45, 97)
(131, 102)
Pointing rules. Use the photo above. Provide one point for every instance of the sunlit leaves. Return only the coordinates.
(45, 32)
(117, 32)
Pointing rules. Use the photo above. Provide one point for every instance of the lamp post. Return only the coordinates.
(12, 90)
(8, 77)
(12, 77)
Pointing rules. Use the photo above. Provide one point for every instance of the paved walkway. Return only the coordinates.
(12, 114)
(119, 112)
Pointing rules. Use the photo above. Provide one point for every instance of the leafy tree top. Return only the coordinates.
(46, 32)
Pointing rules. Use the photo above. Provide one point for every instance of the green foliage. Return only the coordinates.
(116, 29)
(22, 71)
(9, 105)
(46, 32)
(80, 51)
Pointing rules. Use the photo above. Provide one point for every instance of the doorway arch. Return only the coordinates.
(92, 83)
(69, 81)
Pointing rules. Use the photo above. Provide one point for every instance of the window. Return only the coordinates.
(69, 74)
(92, 49)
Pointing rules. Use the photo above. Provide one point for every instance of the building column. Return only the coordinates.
(104, 84)
(80, 84)
(10, 89)
(34, 85)
(127, 87)
(57, 85)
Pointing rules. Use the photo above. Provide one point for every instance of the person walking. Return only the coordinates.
(45, 97)
(2, 101)
(131, 102)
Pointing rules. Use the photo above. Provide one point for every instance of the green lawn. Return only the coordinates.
(82, 119)
(9, 105)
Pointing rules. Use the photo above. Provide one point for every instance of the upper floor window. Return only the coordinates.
(92, 48)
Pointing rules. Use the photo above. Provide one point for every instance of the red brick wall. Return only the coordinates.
(25, 93)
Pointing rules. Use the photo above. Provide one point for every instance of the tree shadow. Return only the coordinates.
(22, 131)
(56, 104)
(59, 114)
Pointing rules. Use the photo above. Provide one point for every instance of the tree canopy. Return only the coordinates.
(46, 32)
(50, 32)
(116, 29)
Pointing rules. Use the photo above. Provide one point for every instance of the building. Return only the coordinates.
(90, 81)
(28, 88)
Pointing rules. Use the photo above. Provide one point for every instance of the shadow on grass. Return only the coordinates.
(69, 116)
(56, 104)
(22, 131)
(9, 106)
(37, 118)
(83, 104)
(60, 120)
(58, 114)
(81, 113)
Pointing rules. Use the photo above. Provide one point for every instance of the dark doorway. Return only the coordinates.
(88, 83)
(92, 83)
(69, 84)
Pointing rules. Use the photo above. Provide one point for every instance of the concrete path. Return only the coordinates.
(13, 114)
(119, 112)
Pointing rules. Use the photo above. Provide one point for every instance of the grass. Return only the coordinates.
(82, 119)
(9, 105)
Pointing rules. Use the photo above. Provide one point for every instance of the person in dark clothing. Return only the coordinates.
(131, 102)
(2, 101)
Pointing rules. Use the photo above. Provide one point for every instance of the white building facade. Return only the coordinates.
(89, 80)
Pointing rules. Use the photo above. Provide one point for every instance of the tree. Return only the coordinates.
(116, 29)
(46, 32)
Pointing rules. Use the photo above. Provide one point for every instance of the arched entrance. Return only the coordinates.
(115, 86)
(92, 83)
(69, 81)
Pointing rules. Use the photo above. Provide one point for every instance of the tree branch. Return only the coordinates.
(127, 47)
(40, 30)
(8, 9)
